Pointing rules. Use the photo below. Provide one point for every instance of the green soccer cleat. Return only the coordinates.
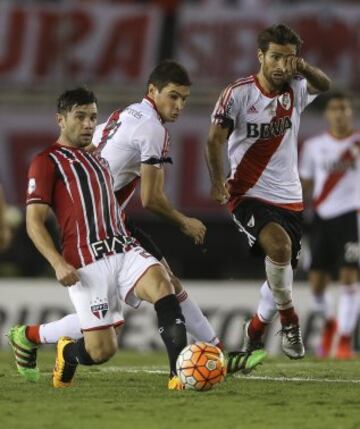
(25, 353)
(244, 362)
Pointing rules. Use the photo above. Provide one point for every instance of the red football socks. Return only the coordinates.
(288, 317)
(32, 333)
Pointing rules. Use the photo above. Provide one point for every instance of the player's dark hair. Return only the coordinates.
(169, 71)
(280, 34)
(75, 97)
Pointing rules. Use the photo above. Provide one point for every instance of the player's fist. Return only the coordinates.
(195, 229)
(65, 273)
(219, 193)
(294, 65)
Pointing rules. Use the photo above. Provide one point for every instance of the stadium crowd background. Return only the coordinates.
(47, 46)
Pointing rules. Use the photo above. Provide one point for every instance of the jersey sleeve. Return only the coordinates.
(224, 113)
(153, 143)
(98, 134)
(41, 180)
(306, 165)
(302, 96)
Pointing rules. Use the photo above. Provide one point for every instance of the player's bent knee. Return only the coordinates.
(280, 251)
(101, 354)
(102, 348)
(154, 285)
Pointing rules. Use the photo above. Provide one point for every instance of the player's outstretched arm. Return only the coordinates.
(215, 162)
(154, 199)
(36, 215)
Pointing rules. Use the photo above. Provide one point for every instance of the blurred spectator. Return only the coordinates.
(19, 257)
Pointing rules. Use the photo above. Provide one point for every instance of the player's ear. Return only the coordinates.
(260, 55)
(152, 90)
(60, 120)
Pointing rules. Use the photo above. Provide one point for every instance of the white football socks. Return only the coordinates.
(324, 304)
(196, 323)
(348, 309)
(266, 310)
(68, 326)
(280, 279)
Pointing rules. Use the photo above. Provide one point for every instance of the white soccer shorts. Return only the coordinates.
(105, 283)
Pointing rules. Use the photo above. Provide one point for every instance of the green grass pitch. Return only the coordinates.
(130, 392)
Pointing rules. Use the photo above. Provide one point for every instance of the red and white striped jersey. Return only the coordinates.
(262, 146)
(333, 166)
(129, 138)
(78, 187)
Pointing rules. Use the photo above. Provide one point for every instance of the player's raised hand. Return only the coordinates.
(195, 229)
(219, 193)
(66, 274)
(294, 65)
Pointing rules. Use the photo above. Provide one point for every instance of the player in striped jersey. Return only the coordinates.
(259, 117)
(329, 169)
(100, 263)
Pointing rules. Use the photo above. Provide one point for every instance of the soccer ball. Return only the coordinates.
(200, 366)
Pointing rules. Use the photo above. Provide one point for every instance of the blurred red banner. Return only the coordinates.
(95, 43)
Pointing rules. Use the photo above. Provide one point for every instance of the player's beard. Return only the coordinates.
(275, 84)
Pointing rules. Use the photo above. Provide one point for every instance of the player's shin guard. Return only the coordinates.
(75, 353)
(68, 326)
(196, 323)
(171, 324)
(267, 308)
(280, 279)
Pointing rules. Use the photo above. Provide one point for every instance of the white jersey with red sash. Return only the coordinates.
(262, 146)
(129, 138)
(333, 165)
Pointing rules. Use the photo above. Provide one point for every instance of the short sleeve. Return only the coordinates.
(225, 113)
(153, 142)
(306, 164)
(96, 140)
(41, 180)
(302, 96)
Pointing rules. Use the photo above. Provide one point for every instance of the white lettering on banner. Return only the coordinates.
(227, 305)
(63, 42)
(219, 45)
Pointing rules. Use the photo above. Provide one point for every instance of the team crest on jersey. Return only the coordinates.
(285, 100)
(31, 185)
(100, 309)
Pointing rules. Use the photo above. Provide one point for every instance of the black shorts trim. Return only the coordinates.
(251, 215)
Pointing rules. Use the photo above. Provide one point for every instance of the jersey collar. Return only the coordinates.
(270, 94)
(150, 102)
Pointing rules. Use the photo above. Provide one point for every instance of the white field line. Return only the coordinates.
(163, 370)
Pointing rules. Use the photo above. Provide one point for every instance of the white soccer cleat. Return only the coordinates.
(292, 343)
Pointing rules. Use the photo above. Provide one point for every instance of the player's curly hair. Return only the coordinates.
(169, 71)
(75, 97)
(281, 34)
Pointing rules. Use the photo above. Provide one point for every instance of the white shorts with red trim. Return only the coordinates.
(104, 284)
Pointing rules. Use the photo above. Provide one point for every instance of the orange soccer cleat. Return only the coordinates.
(344, 349)
(328, 337)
